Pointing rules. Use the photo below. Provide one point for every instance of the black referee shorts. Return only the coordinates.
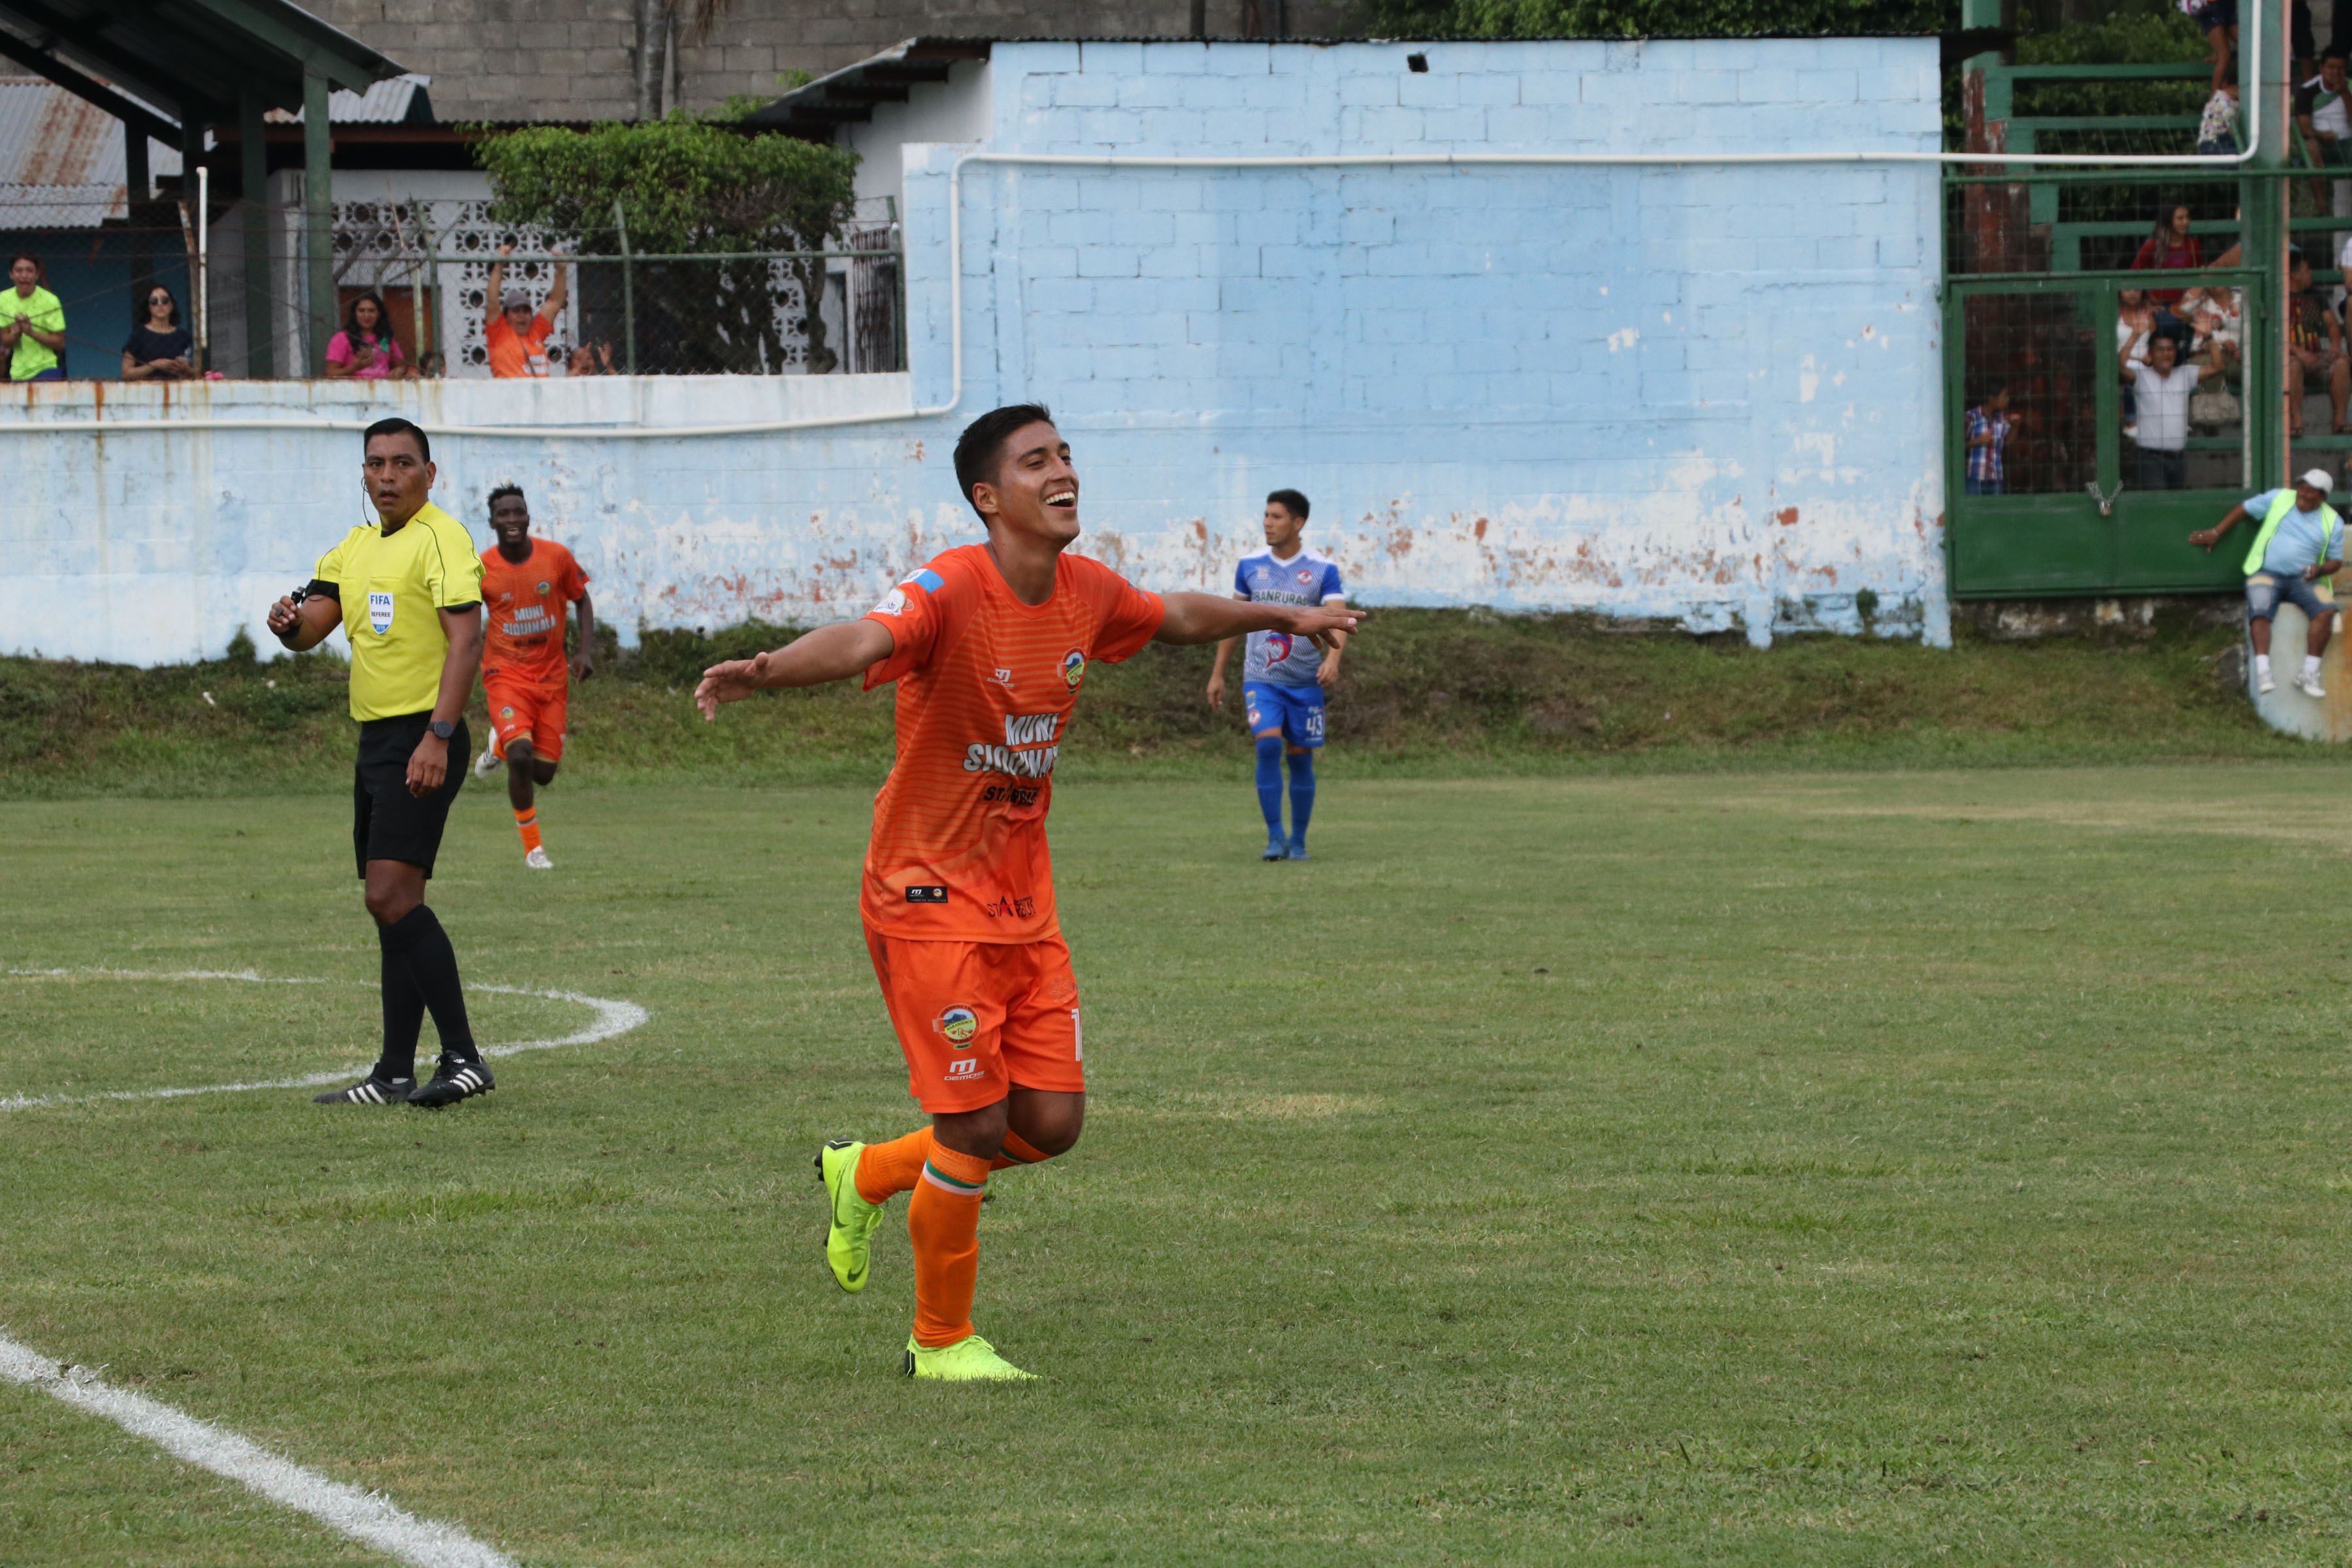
(387, 822)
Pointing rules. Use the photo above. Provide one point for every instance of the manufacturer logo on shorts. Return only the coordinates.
(1074, 666)
(379, 613)
(965, 1066)
(959, 1025)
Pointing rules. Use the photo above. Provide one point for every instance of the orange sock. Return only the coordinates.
(527, 823)
(943, 1223)
(885, 1170)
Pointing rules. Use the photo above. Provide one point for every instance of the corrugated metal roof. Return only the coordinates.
(395, 100)
(61, 160)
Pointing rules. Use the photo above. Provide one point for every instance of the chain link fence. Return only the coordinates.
(432, 267)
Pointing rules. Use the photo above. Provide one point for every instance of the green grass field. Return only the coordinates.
(1760, 1168)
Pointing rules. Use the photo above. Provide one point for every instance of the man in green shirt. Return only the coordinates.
(32, 324)
(408, 590)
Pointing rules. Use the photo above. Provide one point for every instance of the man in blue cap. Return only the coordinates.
(2299, 538)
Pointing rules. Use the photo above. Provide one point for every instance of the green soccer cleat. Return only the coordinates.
(966, 1360)
(849, 1231)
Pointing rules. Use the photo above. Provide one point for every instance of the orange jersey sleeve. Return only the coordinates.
(986, 687)
(525, 600)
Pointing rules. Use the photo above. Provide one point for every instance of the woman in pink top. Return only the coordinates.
(365, 349)
(2170, 248)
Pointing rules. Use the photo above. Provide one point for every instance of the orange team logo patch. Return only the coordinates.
(1074, 666)
(505, 712)
(959, 1025)
(544, 586)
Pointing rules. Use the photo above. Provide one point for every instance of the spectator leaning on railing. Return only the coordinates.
(159, 348)
(516, 336)
(2160, 393)
(2170, 248)
(2322, 112)
(2299, 540)
(32, 324)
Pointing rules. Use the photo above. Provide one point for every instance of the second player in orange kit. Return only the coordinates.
(989, 645)
(528, 584)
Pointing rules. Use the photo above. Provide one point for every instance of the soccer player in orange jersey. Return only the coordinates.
(527, 583)
(989, 645)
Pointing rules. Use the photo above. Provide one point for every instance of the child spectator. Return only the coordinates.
(2217, 133)
(1989, 427)
(159, 348)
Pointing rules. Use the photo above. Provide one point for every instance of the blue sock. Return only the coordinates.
(1302, 795)
(1269, 782)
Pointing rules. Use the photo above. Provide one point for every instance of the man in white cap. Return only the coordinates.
(2298, 540)
(515, 334)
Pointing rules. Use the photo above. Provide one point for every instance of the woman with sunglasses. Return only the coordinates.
(159, 349)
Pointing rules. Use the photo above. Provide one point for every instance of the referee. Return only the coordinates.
(409, 590)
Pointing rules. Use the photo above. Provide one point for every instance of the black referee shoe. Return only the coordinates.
(370, 1090)
(453, 1081)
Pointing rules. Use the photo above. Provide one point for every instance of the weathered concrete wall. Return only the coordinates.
(1705, 395)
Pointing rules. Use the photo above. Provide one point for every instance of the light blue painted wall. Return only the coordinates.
(1708, 393)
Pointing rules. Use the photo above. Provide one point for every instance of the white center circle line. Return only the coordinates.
(613, 1018)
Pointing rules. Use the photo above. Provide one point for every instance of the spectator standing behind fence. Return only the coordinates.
(1989, 426)
(159, 348)
(2161, 392)
(2299, 540)
(517, 336)
(2217, 133)
(2314, 347)
(2169, 250)
(365, 350)
(32, 324)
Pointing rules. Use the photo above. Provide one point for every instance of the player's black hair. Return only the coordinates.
(398, 426)
(501, 492)
(1290, 501)
(980, 450)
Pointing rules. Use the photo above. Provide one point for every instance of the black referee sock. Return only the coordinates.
(404, 1012)
(418, 938)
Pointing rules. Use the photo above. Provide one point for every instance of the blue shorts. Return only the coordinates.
(2266, 589)
(1298, 709)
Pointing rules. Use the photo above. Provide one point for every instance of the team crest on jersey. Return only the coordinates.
(959, 1025)
(544, 587)
(1074, 666)
(505, 712)
(1305, 577)
(894, 602)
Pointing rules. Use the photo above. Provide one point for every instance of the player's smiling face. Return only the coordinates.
(398, 477)
(1036, 492)
(511, 520)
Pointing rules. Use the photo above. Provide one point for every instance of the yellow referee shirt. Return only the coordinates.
(392, 586)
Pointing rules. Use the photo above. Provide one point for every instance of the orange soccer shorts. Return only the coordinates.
(977, 1019)
(529, 710)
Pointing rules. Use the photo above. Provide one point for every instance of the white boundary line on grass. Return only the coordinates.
(612, 1019)
(367, 1517)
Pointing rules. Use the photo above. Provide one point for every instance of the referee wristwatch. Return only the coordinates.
(442, 728)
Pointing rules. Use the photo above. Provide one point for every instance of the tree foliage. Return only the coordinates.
(1660, 18)
(688, 183)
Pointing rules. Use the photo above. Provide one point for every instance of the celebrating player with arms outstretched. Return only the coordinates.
(989, 644)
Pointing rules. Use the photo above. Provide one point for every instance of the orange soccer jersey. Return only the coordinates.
(986, 686)
(525, 600)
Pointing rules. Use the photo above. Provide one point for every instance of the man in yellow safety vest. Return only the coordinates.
(2299, 541)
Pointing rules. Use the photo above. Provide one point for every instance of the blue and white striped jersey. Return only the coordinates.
(1306, 578)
